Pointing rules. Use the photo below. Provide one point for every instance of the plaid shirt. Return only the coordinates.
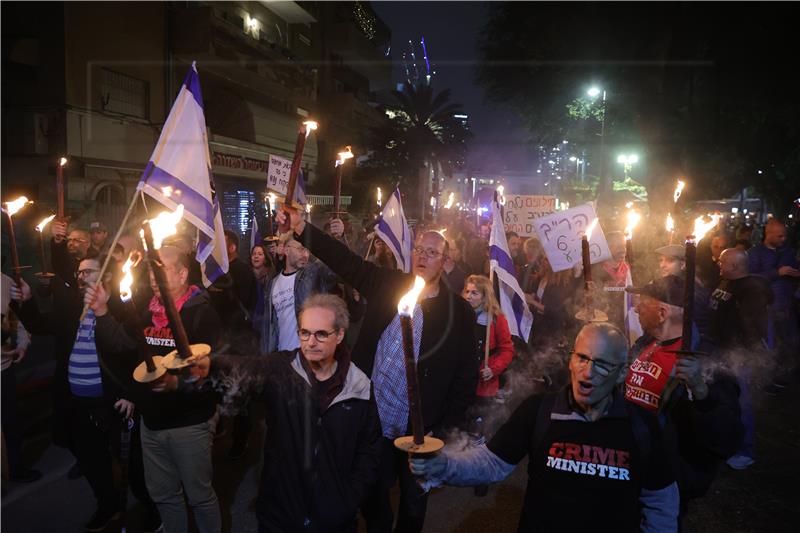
(389, 375)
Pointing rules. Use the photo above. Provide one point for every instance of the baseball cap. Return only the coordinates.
(97, 226)
(668, 289)
(672, 250)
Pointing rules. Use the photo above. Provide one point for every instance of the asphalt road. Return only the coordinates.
(762, 498)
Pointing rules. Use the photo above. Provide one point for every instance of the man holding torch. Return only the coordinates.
(444, 346)
(178, 423)
(90, 386)
(702, 416)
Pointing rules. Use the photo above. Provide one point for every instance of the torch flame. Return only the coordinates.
(701, 227)
(591, 227)
(344, 156)
(45, 222)
(126, 282)
(500, 195)
(678, 191)
(379, 196)
(310, 125)
(433, 201)
(308, 208)
(450, 199)
(629, 205)
(15, 205)
(670, 223)
(62, 162)
(271, 200)
(633, 219)
(164, 225)
(409, 299)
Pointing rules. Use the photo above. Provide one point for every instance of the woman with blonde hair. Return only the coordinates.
(479, 293)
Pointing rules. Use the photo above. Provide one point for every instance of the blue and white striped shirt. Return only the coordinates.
(84, 368)
(389, 375)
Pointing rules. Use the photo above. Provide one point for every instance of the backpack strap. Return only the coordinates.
(543, 418)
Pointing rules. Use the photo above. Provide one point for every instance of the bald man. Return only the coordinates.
(775, 260)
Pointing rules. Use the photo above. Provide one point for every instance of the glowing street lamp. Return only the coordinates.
(627, 161)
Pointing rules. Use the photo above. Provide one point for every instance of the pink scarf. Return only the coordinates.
(159, 312)
(619, 274)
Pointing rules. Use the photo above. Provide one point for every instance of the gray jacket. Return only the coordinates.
(314, 278)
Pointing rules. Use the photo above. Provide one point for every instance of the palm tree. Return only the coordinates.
(421, 132)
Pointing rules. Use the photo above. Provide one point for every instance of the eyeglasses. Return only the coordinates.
(320, 335)
(86, 272)
(430, 253)
(603, 368)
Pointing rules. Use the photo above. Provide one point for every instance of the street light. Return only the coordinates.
(593, 93)
(627, 162)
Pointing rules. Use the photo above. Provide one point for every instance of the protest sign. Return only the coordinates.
(561, 233)
(278, 174)
(521, 210)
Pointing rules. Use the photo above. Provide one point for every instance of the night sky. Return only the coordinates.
(451, 31)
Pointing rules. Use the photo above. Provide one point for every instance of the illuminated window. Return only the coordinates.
(237, 210)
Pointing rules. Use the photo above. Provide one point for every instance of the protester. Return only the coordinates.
(286, 292)
(744, 237)
(89, 394)
(239, 297)
(708, 259)
(381, 254)
(777, 262)
(739, 321)
(177, 427)
(323, 448)
(611, 277)
(529, 274)
(698, 409)
(263, 270)
(671, 262)
(552, 302)
(98, 234)
(443, 344)
(479, 294)
(515, 249)
(16, 341)
(454, 274)
(67, 251)
(584, 444)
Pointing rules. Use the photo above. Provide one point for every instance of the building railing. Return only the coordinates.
(327, 199)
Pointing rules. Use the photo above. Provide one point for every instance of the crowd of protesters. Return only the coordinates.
(627, 418)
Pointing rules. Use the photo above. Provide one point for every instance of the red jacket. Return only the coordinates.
(501, 351)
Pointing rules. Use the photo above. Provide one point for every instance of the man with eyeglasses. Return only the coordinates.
(322, 451)
(287, 291)
(701, 415)
(586, 447)
(91, 390)
(444, 346)
(68, 250)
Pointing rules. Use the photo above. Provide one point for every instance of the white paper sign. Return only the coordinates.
(278, 174)
(561, 233)
(522, 209)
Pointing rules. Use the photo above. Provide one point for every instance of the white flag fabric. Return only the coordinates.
(255, 235)
(512, 299)
(179, 172)
(632, 326)
(393, 229)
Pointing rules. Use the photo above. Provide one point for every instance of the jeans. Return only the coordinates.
(377, 509)
(746, 406)
(178, 460)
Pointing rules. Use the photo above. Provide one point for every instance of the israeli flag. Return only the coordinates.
(255, 235)
(300, 189)
(179, 172)
(393, 229)
(512, 299)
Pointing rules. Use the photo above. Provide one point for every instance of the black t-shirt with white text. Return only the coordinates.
(583, 475)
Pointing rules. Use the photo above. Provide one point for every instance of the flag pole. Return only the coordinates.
(489, 321)
(369, 248)
(111, 248)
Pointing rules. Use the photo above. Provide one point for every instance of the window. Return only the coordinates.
(124, 94)
(237, 210)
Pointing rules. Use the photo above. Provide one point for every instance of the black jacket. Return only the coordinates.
(319, 462)
(185, 406)
(700, 433)
(447, 368)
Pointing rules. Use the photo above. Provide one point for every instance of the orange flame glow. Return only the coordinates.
(44, 223)
(409, 299)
